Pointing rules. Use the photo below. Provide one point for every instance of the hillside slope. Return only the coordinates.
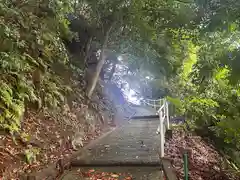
(44, 112)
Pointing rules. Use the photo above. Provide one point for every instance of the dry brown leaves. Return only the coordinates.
(97, 175)
(50, 136)
(204, 161)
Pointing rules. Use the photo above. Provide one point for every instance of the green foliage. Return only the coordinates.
(193, 45)
(30, 38)
(208, 87)
(177, 105)
(25, 137)
(190, 60)
(197, 53)
(11, 108)
(31, 154)
(204, 76)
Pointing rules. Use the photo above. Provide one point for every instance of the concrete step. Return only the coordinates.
(146, 117)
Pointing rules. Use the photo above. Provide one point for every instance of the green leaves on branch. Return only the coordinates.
(30, 38)
(207, 85)
(11, 108)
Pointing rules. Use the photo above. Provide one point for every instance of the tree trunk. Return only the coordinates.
(89, 42)
(95, 77)
(75, 7)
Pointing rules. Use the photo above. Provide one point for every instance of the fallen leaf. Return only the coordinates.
(91, 171)
(115, 175)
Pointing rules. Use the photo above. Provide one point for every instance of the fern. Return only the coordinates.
(24, 33)
(5, 94)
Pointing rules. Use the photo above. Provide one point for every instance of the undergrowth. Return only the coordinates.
(30, 38)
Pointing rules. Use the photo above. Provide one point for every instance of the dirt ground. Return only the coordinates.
(50, 140)
(205, 163)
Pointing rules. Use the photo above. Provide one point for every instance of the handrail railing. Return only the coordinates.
(154, 103)
(163, 112)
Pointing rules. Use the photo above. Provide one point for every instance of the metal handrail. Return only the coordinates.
(161, 108)
(153, 99)
(154, 103)
(164, 124)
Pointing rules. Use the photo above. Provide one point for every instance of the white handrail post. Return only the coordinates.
(167, 116)
(164, 107)
(161, 134)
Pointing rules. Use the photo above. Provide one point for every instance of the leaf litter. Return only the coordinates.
(93, 174)
(205, 163)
